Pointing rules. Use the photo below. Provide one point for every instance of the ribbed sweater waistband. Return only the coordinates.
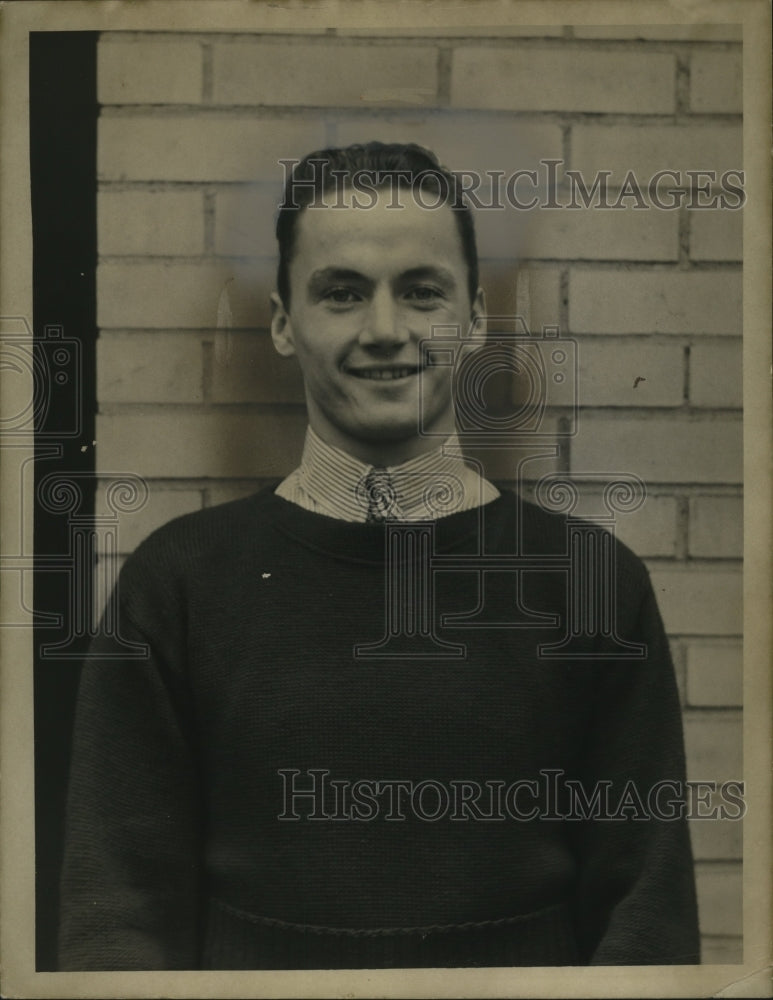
(238, 940)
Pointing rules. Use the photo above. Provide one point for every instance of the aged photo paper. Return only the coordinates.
(616, 159)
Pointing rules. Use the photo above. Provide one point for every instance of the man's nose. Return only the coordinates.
(384, 326)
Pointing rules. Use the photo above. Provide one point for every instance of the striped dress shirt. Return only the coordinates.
(330, 481)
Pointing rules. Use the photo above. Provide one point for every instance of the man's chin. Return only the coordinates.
(395, 431)
(399, 442)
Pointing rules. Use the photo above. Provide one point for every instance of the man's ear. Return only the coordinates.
(281, 328)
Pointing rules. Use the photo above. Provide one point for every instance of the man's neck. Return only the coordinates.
(385, 453)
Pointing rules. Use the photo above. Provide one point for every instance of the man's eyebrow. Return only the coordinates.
(427, 272)
(326, 275)
(433, 272)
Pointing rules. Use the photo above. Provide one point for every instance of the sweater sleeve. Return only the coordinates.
(129, 889)
(636, 902)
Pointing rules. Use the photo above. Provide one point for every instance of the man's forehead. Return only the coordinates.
(405, 226)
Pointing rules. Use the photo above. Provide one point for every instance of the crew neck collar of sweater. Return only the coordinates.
(358, 542)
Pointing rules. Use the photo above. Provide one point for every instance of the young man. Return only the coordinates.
(275, 787)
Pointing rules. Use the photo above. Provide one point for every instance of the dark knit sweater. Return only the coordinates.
(176, 856)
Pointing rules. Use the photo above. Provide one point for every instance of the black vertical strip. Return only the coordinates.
(63, 144)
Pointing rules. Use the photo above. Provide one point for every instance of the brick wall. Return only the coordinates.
(191, 130)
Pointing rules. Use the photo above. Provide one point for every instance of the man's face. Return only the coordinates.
(367, 286)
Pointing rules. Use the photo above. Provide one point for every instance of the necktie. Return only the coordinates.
(379, 493)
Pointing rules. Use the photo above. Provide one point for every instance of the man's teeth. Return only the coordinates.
(384, 373)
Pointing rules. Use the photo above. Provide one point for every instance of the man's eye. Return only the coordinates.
(424, 294)
(341, 296)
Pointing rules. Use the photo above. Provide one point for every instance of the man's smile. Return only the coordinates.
(384, 372)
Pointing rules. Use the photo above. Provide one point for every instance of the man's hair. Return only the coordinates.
(399, 165)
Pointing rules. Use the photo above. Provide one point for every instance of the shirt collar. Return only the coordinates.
(432, 484)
